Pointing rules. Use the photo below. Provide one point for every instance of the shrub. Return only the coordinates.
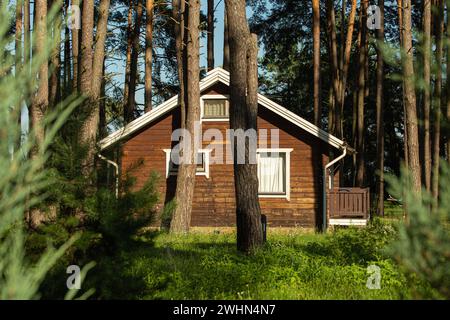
(423, 243)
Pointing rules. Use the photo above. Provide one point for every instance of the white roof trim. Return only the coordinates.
(214, 76)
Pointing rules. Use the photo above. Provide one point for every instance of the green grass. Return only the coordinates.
(393, 210)
(290, 266)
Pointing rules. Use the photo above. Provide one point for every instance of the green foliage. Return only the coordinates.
(166, 215)
(423, 244)
(118, 220)
(290, 266)
(22, 178)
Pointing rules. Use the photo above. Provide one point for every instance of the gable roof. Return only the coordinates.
(214, 76)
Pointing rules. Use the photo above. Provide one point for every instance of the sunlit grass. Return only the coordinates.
(291, 266)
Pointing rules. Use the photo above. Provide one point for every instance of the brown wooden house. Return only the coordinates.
(293, 191)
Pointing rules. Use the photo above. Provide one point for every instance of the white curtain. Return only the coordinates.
(271, 173)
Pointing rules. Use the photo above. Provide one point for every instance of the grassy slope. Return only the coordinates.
(291, 266)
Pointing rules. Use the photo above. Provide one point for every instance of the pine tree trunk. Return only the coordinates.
(178, 11)
(128, 54)
(148, 54)
(18, 36)
(102, 125)
(412, 141)
(337, 130)
(40, 100)
(18, 57)
(91, 77)
(55, 61)
(26, 31)
(347, 53)
(75, 54)
(405, 134)
(210, 44)
(316, 61)
(98, 71)
(360, 155)
(243, 115)
(186, 172)
(67, 65)
(437, 97)
(87, 30)
(131, 104)
(226, 42)
(380, 115)
(426, 149)
(448, 80)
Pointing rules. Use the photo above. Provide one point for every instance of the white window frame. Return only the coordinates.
(287, 152)
(205, 173)
(212, 97)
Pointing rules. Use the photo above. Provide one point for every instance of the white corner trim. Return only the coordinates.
(212, 77)
(287, 151)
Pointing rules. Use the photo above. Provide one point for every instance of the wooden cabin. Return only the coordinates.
(291, 174)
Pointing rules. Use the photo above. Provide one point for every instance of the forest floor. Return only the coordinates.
(293, 265)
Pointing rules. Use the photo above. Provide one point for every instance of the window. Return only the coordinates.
(202, 163)
(274, 173)
(215, 108)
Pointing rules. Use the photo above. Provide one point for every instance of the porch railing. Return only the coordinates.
(349, 203)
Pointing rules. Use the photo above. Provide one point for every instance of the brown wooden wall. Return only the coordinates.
(214, 196)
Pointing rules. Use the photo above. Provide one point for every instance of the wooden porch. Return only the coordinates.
(348, 206)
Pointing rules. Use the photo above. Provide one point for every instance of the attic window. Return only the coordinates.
(215, 108)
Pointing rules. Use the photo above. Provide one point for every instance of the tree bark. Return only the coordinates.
(131, 104)
(380, 114)
(186, 172)
(347, 53)
(243, 101)
(93, 64)
(148, 54)
(210, 44)
(75, 54)
(40, 100)
(226, 42)
(316, 61)
(178, 12)
(18, 36)
(426, 149)
(55, 62)
(26, 30)
(360, 155)
(437, 96)
(128, 54)
(410, 99)
(18, 58)
(102, 125)
(405, 134)
(336, 128)
(448, 81)
(87, 30)
(67, 58)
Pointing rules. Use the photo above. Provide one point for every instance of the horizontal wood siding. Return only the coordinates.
(214, 203)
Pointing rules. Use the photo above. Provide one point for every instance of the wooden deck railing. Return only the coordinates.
(349, 203)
